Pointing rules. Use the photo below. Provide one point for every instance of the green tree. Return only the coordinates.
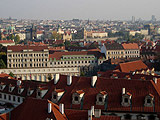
(11, 74)
(67, 43)
(2, 64)
(82, 74)
(56, 36)
(17, 39)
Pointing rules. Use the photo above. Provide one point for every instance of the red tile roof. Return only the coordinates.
(83, 115)
(36, 109)
(6, 41)
(130, 46)
(18, 48)
(131, 66)
(58, 55)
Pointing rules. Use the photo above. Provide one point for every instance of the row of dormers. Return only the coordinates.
(101, 97)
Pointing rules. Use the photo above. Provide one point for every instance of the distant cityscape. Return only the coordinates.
(80, 69)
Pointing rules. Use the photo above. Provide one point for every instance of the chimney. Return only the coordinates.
(49, 107)
(97, 113)
(69, 80)
(92, 108)
(155, 80)
(61, 108)
(123, 91)
(56, 78)
(89, 114)
(19, 82)
(93, 80)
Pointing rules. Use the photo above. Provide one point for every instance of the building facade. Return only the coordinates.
(27, 56)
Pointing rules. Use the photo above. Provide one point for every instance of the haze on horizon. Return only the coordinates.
(80, 9)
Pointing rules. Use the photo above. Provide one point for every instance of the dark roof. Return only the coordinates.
(36, 109)
(18, 48)
(114, 46)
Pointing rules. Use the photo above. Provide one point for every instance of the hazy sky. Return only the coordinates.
(81, 9)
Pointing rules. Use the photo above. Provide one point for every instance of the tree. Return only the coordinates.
(2, 64)
(17, 39)
(67, 43)
(11, 74)
(56, 36)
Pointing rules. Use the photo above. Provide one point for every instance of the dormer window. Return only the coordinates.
(128, 77)
(57, 94)
(77, 97)
(11, 88)
(20, 89)
(149, 100)
(41, 91)
(114, 76)
(2, 86)
(101, 97)
(29, 92)
(126, 99)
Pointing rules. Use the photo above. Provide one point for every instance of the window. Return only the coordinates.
(148, 101)
(126, 100)
(54, 96)
(14, 98)
(0, 95)
(39, 93)
(9, 97)
(18, 99)
(4, 96)
(76, 98)
(100, 99)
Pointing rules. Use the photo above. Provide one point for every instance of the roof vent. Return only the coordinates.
(92, 108)
(123, 91)
(93, 80)
(19, 82)
(89, 114)
(61, 108)
(155, 80)
(69, 80)
(133, 73)
(49, 107)
(56, 78)
(97, 113)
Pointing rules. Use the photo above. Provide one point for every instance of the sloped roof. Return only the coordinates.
(58, 55)
(130, 46)
(114, 46)
(131, 66)
(6, 41)
(36, 109)
(138, 88)
(18, 48)
(83, 115)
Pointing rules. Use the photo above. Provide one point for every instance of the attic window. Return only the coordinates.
(126, 99)
(54, 96)
(149, 100)
(100, 99)
(76, 98)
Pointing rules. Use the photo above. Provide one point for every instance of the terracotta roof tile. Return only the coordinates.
(130, 46)
(18, 48)
(131, 66)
